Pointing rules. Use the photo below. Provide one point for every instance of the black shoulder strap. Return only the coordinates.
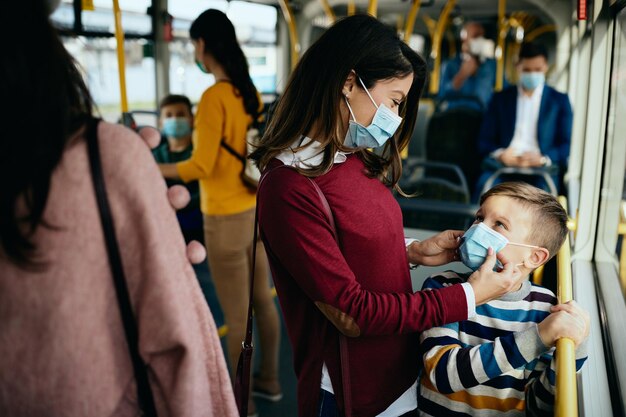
(144, 392)
(233, 152)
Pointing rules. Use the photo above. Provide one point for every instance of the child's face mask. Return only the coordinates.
(477, 240)
(176, 127)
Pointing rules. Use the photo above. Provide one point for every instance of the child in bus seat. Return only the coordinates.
(501, 360)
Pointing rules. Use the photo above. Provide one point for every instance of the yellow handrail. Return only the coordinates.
(436, 48)
(538, 275)
(121, 63)
(502, 28)
(410, 20)
(351, 7)
(431, 25)
(539, 31)
(329, 11)
(372, 8)
(566, 399)
(293, 32)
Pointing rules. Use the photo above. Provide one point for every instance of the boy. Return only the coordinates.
(501, 360)
(175, 122)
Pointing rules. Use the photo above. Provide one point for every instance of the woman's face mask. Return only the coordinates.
(176, 127)
(476, 242)
(383, 126)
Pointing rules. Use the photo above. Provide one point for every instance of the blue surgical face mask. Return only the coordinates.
(532, 80)
(200, 65)
(477, 241)
(383, 126)
(176, 127)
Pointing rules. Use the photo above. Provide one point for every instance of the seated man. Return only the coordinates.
(502, 360)
(471, 73)
(176, 121)
(529, 125)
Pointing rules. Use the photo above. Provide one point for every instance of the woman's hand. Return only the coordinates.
(177, 195)
(489, 284)
(436, 250)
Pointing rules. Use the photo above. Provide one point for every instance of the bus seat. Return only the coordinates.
(434, 184)
(417, 146)
(452, 136)
(541, 177)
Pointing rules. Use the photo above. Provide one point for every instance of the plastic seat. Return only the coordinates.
(417, 146)
(438, 203)
(452, 136)
(522, 174)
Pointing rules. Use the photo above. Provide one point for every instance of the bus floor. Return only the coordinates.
(287, 406)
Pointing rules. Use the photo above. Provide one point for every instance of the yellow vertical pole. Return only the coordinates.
(410, 20)
(372, 8)
(329, 11)
(431, 25)
(566, 398)
(121, 63)
(502, 27)
(351, 7)
(436, 48)
(293, 32)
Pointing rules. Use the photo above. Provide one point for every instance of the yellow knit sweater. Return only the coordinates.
(220, 114)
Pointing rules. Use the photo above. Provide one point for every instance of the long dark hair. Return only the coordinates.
(220, 41)
(314, 93)
(46, 103)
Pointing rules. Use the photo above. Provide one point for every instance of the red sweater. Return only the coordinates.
(366, 276)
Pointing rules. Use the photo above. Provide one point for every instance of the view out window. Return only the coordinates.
(97, 58)
(255, 25)
(135, 19)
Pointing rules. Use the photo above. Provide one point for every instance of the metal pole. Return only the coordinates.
(566, 398)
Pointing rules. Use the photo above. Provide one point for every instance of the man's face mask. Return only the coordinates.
(532, 80)
(476, 242)
(383, 126)
(176, 127)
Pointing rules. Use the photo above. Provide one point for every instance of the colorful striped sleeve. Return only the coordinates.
(452, 366)
(542, 382)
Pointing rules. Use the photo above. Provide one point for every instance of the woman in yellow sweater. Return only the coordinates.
(224, 113)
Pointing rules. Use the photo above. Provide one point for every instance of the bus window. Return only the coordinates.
(97, 56)
(255, 25)
(617, 127)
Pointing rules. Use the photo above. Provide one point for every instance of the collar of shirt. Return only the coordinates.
(309, 156)
(534, 96)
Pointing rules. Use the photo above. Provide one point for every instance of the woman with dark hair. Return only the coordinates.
(224, 113)
(333, 231)
(63, 350)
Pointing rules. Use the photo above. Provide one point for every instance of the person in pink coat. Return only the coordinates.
(62, 346)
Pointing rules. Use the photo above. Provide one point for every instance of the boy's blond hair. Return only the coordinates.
(549, 227)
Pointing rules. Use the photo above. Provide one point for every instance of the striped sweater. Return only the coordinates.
(493, 364)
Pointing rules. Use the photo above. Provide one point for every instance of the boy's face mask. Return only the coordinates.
(476, 242)
(383, 126)
(176, 127)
